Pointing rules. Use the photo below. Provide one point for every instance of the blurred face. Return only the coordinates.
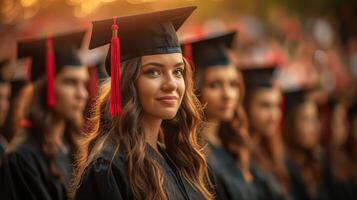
(265, 111)
(4, 101)
(161, 85)
(339, 125)
(307, 125)
(71, 92)
(220, 92)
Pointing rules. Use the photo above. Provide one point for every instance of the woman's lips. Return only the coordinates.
(168, 100)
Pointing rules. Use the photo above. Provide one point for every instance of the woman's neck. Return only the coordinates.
(151, 126)
(210, 132)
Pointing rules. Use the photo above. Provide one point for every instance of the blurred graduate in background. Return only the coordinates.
(40, 160)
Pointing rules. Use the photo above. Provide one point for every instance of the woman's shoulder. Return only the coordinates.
(109, 155)
(24, 149)
(105, 177)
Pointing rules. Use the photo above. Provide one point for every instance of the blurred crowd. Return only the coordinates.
(294, 135)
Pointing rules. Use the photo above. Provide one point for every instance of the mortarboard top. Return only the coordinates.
(259, 76)
(135, 36)
(142, 34)
(211, 51)
(295, 98)
(65, 47)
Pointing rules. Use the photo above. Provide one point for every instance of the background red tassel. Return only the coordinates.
(187, 51)
(115, 94)
(50, 74)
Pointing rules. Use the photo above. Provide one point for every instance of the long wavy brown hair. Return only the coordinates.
(41, 125)
(182, 144)
(233, 134)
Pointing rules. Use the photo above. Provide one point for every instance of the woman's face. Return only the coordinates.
(71, 92)
(265, 111)
(161, 84)
(220, 92)
(307, 125)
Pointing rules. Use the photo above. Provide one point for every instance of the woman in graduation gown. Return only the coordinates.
(40, 163)
(263, 101)
(305, 159)
(220, 89)
(143, 142)
(339, 168)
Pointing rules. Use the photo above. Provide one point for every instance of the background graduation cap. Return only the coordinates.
(210, 51)
(259, 77)
(49, 55)
(295, 98)
(134, 36)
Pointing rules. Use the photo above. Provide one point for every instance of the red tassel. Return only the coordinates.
(187, 51)
(50, 73)
(115, 94)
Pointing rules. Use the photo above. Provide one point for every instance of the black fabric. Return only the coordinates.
(107, 178)
(65, 51)
(297, 186)
(258, 77)
(229, 181)
(142, 34)
(212, 51)
(3, 145)
(25, 174)
(295, 98)
(268, 185)
(339, 189)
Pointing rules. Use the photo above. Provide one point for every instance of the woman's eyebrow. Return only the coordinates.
(154, 64)
(162, 65)
(179, 64)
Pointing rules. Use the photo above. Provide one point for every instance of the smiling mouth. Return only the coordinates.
(168, 100)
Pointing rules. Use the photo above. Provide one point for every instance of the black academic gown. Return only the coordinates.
(268, 184)
(298, 188)
(25, 174)
(108, 180)
(229, 181)
(2, 148)
(339, 189)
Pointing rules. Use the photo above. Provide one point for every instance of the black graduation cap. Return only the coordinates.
(49, 55)
(3, 63)
(142, 34)
(258, 77)
(134, 36)
(210, 51)
(65, 47)
(295, 98)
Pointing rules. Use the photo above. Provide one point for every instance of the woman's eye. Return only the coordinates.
(214, 85)
(69, 81)
(153, 73)
(178, 73)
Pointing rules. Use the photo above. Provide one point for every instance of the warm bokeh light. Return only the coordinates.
(28, 3)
